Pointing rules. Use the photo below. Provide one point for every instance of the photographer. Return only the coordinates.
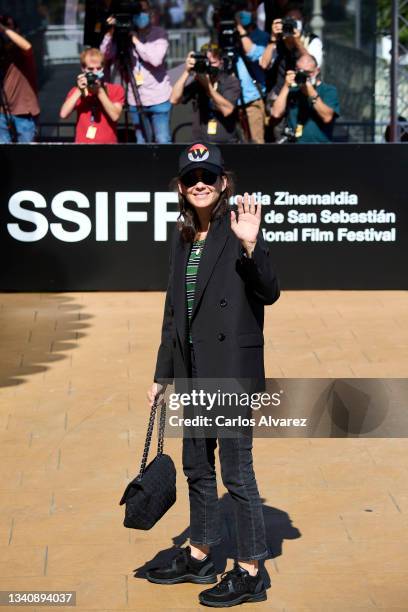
(147, 49)
(98, 104)
(290, 39)
(19, 108)
(311, 106)
(253, 42)
(214, 93)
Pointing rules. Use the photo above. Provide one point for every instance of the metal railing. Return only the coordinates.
(182, 41)
(64, 43)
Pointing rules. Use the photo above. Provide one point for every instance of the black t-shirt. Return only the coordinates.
(206, 118)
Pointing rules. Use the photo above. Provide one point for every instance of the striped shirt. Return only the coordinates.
(191, 277)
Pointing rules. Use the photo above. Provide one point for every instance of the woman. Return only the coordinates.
(221, 277)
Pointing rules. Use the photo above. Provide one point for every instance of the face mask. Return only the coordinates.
(245, 18)
(98, 73)
(141, 20)
(299, 25)
(313, 80)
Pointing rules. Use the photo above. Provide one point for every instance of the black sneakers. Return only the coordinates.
(184, 568)
(235, 587)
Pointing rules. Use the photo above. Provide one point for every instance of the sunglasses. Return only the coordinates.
(210, 47)
(194, 176)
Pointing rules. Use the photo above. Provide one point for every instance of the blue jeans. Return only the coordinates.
(238, 477)
(156, 123)
(26, 128)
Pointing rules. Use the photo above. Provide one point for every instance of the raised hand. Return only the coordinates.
(246, 227)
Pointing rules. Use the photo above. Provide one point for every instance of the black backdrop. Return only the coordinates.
(375, 175)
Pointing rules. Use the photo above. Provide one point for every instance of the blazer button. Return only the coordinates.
(221, 337)
(223, 302)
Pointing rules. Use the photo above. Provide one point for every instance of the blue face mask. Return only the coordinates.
(141, 20)
(245, 18)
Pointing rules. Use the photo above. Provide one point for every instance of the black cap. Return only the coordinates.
(201, 155)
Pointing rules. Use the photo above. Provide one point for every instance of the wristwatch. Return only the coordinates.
(313, 99)
(243, 35)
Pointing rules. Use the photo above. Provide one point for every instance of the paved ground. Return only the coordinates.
(74, 370)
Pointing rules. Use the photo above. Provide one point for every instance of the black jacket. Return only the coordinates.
(228, 311)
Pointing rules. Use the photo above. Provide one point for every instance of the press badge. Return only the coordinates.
(91, 132)
(139, 78)
(299, 130)
(212, 127)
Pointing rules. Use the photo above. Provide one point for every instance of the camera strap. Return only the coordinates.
(94, 109)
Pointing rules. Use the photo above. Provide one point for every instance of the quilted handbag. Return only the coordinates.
(153, 491)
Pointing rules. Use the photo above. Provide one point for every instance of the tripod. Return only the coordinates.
(128, 78)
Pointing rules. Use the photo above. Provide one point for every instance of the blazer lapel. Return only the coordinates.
(180, 302)
(215, 242)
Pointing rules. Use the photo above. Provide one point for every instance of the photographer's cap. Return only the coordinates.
(201, 155)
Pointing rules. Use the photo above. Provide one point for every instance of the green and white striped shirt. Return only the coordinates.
(191, 277)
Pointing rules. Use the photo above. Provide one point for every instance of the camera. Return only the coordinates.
(123, 11)
(287, 136)
(228, 42)
(288, 26)
(91, 79)
(202, 64)
(227, 34)
(301, 77)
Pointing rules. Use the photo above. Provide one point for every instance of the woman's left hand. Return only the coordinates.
(246, 228)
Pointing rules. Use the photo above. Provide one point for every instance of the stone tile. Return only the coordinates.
(92, 593)
(26, 505)
(73, 479)
(377, 527)
(307, 590)
(78, 403)
(5, 527)
(389, 591)
(350, 474)
(22, 561)
(103, 525)
(96, 559)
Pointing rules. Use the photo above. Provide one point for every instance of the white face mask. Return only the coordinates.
(299, 25)
(313, 80)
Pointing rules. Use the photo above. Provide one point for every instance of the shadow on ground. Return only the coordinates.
(278, 528)
(37, 330)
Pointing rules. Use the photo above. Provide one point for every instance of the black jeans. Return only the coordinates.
(238, 478)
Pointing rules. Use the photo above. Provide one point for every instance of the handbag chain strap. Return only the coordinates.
(160, 443)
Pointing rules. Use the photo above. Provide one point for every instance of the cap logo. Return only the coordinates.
(198, 152)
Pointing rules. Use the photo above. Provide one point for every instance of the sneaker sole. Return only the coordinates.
(262, 596)
(211, 579)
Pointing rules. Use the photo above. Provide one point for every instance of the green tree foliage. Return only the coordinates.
(384, 20)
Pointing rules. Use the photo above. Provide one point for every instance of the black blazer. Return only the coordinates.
(228, 311)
